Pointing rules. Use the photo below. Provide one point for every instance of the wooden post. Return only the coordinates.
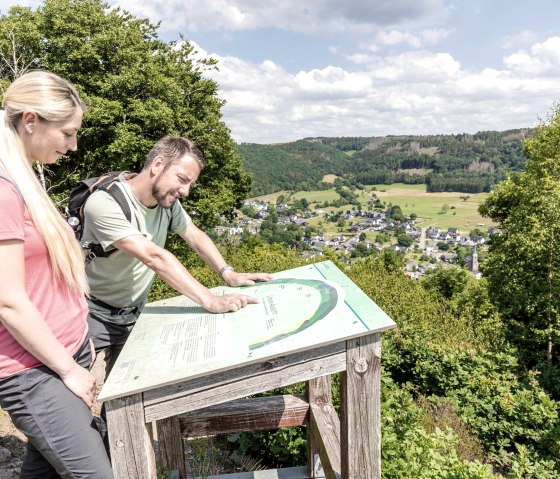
(319, 391)
(360, 415)
(323, 433)
(171, 453)
(132, 452)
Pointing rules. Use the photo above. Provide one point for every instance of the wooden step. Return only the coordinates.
(284, 473)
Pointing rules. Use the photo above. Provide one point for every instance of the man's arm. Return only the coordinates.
(171, 270)
(204, 247)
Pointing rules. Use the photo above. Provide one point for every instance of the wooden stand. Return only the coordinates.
(349, 445)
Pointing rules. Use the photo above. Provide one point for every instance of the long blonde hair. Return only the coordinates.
(53, 99)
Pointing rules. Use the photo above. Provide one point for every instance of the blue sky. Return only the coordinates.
(299, 68)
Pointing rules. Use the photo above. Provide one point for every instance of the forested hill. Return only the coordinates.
(465, 162)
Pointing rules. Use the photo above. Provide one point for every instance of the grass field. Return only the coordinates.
(312, 196)
(412, 199)
(428, 206)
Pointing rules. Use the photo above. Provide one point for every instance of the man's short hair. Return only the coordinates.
(172, 149)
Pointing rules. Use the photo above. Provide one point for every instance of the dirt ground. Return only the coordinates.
(12, 442)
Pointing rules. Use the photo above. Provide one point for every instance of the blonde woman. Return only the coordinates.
(45, 385)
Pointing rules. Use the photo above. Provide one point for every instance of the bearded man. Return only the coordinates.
(120, 282)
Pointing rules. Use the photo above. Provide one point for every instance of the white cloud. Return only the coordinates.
(332, 82)
(524, 37)
(420, 39)
(416, 92)
(418, 66)
(542, 59)
(325, 16)
(360, 58)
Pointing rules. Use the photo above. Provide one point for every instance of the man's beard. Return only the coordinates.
(162, 197)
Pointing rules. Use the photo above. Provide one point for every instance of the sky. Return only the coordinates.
(291, 69)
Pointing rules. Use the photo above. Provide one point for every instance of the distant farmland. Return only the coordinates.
(462, 212)
(429, 207)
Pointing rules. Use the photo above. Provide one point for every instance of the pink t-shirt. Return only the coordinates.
(64, 311)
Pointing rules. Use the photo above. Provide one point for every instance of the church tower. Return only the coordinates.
(474, 261)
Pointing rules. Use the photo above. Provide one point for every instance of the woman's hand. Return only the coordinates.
(81, 382)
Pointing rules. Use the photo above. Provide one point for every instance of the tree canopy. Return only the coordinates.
(138, 88)
(523, 262)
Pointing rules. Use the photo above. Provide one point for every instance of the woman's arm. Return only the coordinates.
(25, 323)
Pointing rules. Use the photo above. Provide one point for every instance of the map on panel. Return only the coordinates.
(307, 307)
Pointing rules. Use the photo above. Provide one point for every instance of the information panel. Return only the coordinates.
(300, 309)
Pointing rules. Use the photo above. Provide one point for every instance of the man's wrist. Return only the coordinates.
(224, 269)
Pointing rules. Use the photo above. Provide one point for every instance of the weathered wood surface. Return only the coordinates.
(285, 473)
(360, 415)
(171, 454)
(349, 447)
(325, 426)
(245, 381)
(132, 453)
(251, 414)
(319, 392)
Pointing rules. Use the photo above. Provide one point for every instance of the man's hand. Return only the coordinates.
(244, 279)
(228, 302)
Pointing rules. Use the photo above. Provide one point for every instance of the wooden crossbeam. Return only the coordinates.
(250, 414)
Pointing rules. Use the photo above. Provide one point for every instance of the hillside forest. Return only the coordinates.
(464, 162)
(471, 374)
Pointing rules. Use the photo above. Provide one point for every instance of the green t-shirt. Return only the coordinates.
(122, 280)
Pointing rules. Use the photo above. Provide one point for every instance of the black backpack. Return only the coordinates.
(77, 200)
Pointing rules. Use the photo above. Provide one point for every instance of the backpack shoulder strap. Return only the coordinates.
(12, 182)
(169, 212)
(111, 186)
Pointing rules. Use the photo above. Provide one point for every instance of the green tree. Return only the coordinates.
(447, 282)
(404, 240)
(397, 214)
(382, 237)
(523, 262)
(138, 88)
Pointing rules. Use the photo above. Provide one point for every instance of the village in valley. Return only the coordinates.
(354, 232)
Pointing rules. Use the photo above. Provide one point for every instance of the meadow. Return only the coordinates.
(462, 211)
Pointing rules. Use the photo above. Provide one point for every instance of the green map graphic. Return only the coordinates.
(302, 317)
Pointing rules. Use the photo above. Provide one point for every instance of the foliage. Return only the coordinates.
(415, 309)
(298, 165)
(466, 163)
(523, 261)
(137, 88)
(446, 282)
(277, 448)
(506, 407)
(409, 450)
(404, 240)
